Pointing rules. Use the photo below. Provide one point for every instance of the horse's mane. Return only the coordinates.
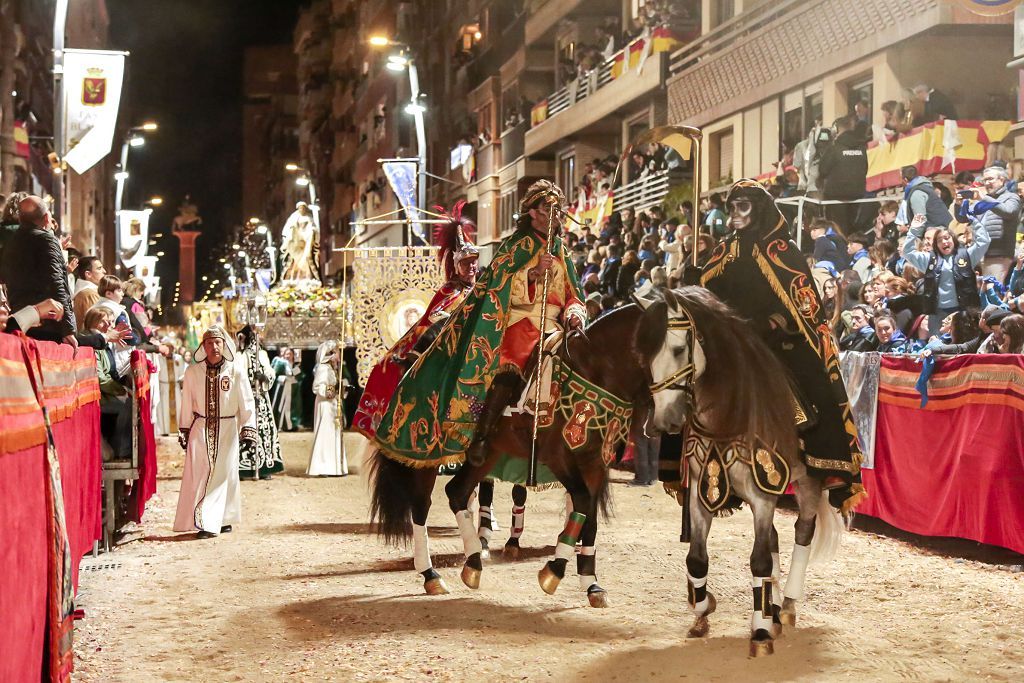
(744, 390)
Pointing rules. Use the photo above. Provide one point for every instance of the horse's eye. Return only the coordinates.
(679, 352)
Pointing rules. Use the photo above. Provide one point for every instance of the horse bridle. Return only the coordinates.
(681, 379)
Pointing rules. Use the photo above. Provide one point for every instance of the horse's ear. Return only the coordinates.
(646, 295)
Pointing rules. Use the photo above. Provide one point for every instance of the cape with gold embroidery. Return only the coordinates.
(435, 409)
(760, 272)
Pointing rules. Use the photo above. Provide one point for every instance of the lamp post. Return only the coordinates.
(135, 138)
(60, 17)
(404, 61)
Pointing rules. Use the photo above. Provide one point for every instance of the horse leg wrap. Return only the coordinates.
(420, 549)
(518, 517)
(586, 567)
(470, 541)
(566, 547)
(761, 619)
(797, 571)
(485, 523)
(776, 580)
(697, 594)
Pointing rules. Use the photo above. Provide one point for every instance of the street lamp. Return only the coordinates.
(134, 139)
(155, 201)
(400, 61)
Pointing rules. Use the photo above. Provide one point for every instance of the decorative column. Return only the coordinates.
(187, 264)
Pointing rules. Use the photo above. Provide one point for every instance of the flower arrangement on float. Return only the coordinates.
(309, 299)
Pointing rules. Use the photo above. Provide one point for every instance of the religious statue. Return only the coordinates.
(188, 217)
(300, 245)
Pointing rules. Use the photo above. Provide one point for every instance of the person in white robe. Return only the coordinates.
(217, 410)
(328, 458)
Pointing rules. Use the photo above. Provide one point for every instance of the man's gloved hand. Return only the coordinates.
(183, 438)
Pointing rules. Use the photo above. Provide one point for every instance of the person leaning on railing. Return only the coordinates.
(115, 399)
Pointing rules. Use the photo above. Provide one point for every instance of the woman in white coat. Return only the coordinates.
(328, 456)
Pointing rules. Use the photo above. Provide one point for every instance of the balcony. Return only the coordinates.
(513, 141)
(645, 192)
(779, 46)
(622, 80)
(544, 15)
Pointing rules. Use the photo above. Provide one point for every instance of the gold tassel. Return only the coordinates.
(859, 495)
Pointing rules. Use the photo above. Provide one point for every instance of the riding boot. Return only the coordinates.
(502, 393)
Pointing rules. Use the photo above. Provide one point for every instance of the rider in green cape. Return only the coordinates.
(453, 397)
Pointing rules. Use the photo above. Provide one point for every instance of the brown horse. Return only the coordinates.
(401, 495)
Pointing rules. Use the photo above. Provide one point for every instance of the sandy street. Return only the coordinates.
(302, 590)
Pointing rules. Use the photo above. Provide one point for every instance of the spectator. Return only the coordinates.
(937, 105)
(949, 281)
(862, 120)
(714, 217)
(830, 249)
(115, 401)
(1000, 211)
(674, 250)
(89, 273)
(920, 197)
(610, 270)
(1012, 330)
(890, 337)
(593, 304)
(886, 227)
(34, 269)
(861, 336)
(844, 171)
(626, 278)
(963, 324)
(111, 291)
(857, 249)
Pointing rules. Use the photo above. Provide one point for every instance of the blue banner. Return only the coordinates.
(402, 177)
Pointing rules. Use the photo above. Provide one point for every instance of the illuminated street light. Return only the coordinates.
(159, 253)
(155, 201)
(291, 166)
(136, 141)
(414, 108)
(121, 175)
(380, 41)
(262, 230)
(236, 245)
(149, 126)
(302, 181)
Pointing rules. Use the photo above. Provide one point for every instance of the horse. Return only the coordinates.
(713, 377)
(575, 446)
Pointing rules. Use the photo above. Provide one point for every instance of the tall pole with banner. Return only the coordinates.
(60, 18)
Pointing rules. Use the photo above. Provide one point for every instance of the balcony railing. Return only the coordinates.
(513, 142)
(616, 66)
(647, 191)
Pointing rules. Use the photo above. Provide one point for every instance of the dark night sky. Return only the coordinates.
(185, 72)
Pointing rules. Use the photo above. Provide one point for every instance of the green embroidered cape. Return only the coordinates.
(436, 406)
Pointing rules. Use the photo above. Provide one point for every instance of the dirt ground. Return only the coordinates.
(303, 590)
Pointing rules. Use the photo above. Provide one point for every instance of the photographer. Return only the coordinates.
(844, 172)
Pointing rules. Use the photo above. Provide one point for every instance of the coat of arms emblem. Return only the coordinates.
(94, 91)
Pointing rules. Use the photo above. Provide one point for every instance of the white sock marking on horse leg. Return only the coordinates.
(758, 619)
(420, 548)
(701, 607)
(797, 572)
(467, 529)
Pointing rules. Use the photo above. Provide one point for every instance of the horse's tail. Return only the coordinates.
(391, 497)
(828, 532)
(604, 499)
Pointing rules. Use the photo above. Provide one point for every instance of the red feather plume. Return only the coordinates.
(446, 235)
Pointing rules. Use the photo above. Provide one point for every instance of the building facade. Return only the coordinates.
(521, 89)
(26, 117)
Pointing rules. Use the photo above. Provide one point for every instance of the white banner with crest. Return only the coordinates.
(92, 94)
(133, 227)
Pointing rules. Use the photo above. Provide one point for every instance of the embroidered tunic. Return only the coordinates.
(217, 406)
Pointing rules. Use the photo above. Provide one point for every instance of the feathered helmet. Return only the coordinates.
(455, 238)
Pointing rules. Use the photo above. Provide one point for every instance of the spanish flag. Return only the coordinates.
(21, 146)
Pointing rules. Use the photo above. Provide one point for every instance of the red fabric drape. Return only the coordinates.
(145, 487)
(23, 563)
(955, 468)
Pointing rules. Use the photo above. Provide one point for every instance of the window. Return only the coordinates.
(720, 156)
(722, 11)
(862, 90)
(507, 204)
(567, 170)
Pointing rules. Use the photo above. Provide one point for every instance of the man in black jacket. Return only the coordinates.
(33, 268)
(843, 173)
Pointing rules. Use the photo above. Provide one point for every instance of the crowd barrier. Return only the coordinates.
(955, 467)
(49, 495)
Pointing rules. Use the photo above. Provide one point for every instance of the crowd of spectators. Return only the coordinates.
(52, 293)
(938, 271)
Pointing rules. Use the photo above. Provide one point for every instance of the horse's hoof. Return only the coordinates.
(701, 627)
(597, 596)
(435, 586)
(511, 551)
(548, 580)
(471, 577)
(761, 645)
(787, 615)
